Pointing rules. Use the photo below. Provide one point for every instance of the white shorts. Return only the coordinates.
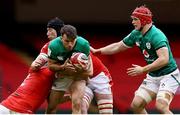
(62, 83)
(100, 84)
(169, 82)
(4, 110)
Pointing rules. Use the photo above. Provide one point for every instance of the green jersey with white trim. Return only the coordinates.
(148, 43)
(57, 51)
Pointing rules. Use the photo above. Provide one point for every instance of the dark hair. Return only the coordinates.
(69, 30)
(56, 24)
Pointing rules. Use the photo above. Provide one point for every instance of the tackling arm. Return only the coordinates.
(39, 62)
(55, 66)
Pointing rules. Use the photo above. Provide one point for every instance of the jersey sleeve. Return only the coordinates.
(129, 40)
(86, 48)
(51, 51)
(44, 49)
(159, 41)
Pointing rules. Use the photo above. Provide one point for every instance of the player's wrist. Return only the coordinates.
(99, 51)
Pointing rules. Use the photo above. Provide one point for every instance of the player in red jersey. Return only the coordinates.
(35, 88)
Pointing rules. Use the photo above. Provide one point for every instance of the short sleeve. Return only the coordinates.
(159, 41)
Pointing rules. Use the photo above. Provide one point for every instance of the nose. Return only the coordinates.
(132, 22)
(47, 33)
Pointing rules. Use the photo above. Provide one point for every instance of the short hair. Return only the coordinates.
(70, 31)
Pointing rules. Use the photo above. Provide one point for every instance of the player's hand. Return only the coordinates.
(35, 66)
(135, 70)
(68, 67)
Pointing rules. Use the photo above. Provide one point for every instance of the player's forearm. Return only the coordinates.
(40, 61)
(55, 67)
(113, 48)
(159, 63)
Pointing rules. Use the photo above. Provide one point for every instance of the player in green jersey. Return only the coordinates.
(163, 76)
(67, 77)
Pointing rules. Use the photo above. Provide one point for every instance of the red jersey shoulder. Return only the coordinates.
(44, 49)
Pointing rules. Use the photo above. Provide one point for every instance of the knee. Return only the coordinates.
(163, 100)
(137, 103)
(161, 105)
(76, 104)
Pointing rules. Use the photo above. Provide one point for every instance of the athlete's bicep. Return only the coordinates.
(163, 54)
(123, 46)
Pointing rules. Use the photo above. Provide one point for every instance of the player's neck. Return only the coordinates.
(146, 28)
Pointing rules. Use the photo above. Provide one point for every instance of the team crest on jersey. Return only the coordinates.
(137, 44)
(145, 53)
(60, 58)
(148, 45)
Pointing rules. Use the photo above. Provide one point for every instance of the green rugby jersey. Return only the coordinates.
(148, 44)
(57, 51)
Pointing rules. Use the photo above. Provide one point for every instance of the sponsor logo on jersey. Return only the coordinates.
(145, 53)
(60, 58)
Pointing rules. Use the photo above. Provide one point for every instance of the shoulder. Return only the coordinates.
(54, 42)
(157, 34)
(44, 49)
(82, 41)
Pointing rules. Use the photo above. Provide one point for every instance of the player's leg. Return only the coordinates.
(54, 100)
(105, 103)
(141, 99)
(167, 89)
(163, 101)
(102, 90)
(145, 94)
(87, 98)
(60, 86)
(77, 92)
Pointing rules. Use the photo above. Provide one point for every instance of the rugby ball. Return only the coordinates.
(79, 60)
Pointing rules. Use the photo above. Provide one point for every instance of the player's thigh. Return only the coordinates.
(100, 84)
(78, 88)
(62, 83)
(168, 86)
(143, 96)
(147, 90)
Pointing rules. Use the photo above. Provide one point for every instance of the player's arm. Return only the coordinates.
(66, 69)
(83, 72)
(111, 49)
(55, 66)
(41, 59)
(161, 61)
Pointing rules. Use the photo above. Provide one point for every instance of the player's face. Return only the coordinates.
(136, 23)
(51, 33)
(68, 42)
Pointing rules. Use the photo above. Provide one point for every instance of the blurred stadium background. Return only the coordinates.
(23, 33)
